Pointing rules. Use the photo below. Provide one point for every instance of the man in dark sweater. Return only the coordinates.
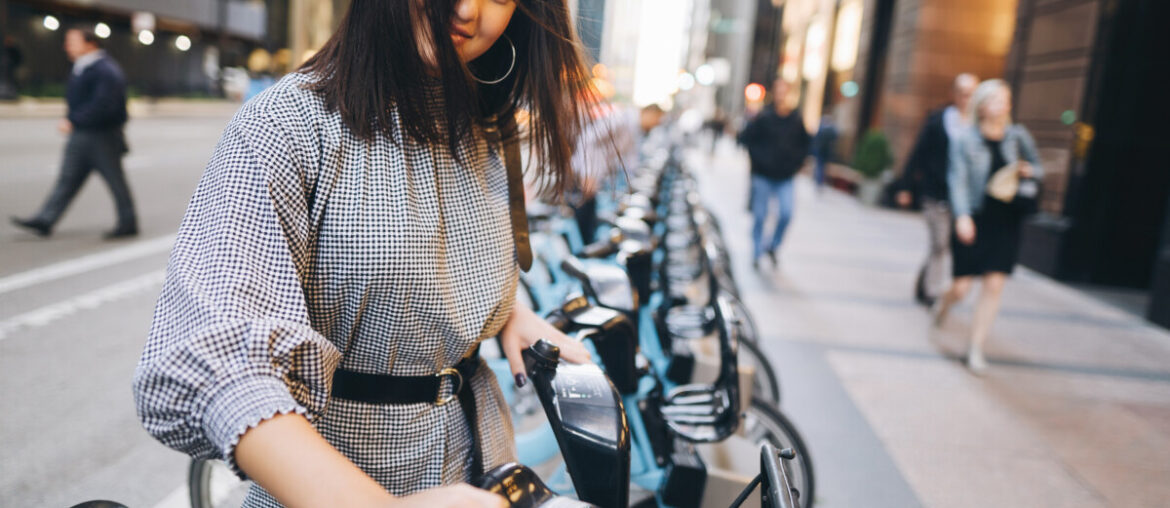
(96, 98)
(925, 176)
(777, 145)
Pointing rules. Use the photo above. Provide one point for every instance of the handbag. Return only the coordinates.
(1008, 187)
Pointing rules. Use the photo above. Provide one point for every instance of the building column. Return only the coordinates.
(311, 23)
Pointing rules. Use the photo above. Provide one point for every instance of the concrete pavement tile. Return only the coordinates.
(1113, 447)
(931, 403)
(1126, 486)
(1054, 384)
(946, 478)
(956, 442)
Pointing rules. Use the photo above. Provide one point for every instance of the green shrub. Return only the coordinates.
(873, 154)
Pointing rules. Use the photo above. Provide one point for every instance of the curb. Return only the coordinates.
(138, 108)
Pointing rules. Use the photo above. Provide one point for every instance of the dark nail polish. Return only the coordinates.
(521, 380)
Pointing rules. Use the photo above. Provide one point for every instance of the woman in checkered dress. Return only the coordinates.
(355, 217)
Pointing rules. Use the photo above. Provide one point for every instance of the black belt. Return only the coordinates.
(387, 389)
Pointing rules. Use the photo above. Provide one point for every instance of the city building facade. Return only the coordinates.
(166, 47)
(1085, 75)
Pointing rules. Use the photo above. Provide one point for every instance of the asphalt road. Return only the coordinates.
(74, 312)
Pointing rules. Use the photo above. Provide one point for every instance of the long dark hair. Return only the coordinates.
(372, 64)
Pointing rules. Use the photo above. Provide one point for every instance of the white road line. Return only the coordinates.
(85, 263)
(50, 313)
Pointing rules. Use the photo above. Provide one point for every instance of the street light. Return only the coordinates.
(183, 43)
(705, 75)
(146, 37)
(52, 23)
(754, 92)
(102, 30)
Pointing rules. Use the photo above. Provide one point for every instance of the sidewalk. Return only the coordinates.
(1074, 411)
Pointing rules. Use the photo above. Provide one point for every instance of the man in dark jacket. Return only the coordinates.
(96, 98)
(925, 176)
(777, 145)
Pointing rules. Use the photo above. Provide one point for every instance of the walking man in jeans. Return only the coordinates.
(777, 144)
(925, 175)
(96, 98)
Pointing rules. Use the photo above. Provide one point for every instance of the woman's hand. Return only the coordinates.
(965, 229)
(454, 496)
(1025, 169)
(904, 198)
(523, 329)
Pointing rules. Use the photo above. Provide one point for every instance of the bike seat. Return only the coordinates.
(635, 234)
(578, 314)
(608, 285)
(613, 334)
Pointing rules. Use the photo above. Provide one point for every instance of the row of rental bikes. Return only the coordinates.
(681, 408)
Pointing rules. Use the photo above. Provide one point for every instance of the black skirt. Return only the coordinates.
(997, 241)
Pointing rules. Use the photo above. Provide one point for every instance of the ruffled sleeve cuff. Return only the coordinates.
(240, 403)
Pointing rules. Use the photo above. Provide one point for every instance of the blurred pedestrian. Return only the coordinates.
(985, 242)
(12, 58)
(96, 100)
(925, 178)
(717, 124)
(612, 139)
(822, 148)
(777, 145)
(356, 235)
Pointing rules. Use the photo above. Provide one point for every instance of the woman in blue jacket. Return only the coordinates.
(986, 237)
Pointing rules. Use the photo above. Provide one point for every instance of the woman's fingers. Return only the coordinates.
(455, 496)
(571, 350)
(512, 347)
(486, 499)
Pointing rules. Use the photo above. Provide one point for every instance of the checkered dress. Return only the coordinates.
(305, 249)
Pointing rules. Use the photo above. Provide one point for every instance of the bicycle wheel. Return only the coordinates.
(213, 485)
(763, 422)
(765, 384)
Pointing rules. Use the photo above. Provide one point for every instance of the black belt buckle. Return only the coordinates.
(457, 383)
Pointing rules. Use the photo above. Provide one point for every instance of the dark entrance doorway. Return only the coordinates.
(1119, 203)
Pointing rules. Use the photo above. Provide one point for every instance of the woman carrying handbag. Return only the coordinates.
(993, 182)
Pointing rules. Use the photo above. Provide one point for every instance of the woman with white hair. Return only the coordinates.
(985, 241)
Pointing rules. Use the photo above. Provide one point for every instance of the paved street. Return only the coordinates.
(1075, 411)
(74, 311)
